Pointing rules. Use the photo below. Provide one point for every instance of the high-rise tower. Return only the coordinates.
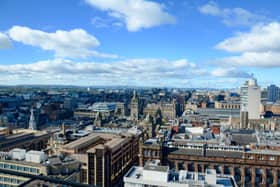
(250, 95)
(272, 93)
(134, 107)
(32, 122)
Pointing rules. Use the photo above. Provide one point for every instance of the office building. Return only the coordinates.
(106, 155)
(34, 163)
(250, 96)
(272, 93)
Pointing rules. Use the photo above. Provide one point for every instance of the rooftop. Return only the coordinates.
(264, 152)
(103, 107)
(162, 176)
(84, 140)
(156, 168)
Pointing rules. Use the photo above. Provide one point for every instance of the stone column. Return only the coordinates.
(253, 176)
(264, 175)
(176, 163)
(202, 168)
(195, 165)
(141, 162)
(222, 168)
(275, 177)
(242, 175)
(210, 166)
(186, 165)
(231, 169)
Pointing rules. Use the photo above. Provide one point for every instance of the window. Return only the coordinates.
(26, 169)
(250, 157)
(271, 158)
(7, 166)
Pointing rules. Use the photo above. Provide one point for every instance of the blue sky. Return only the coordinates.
(186, 43)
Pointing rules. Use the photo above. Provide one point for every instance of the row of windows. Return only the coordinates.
(19, 168)
(251, 157)
(10, 180)
(7, 185)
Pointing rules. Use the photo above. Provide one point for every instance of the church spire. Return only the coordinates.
(134, 107)
(32, 122)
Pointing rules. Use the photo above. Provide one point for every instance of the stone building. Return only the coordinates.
(168, 110)
(105, 157)
(249, 166)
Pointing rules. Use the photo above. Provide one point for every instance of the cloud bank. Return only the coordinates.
(136, 14)
(4, 41)
(259, 47)
(231, 16)
(76, 43)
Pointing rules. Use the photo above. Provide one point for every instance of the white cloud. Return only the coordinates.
(229, 72)
(253, 59)
(73, 43)
(260, 47)
(4, 41)
(137, 14)
(130, 72)
(259, 38)
(100, 22)
(232, 16)
(210, 8)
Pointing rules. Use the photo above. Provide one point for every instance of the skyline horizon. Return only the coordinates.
(152, 43)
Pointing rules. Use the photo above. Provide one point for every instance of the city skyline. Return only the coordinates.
(216, 44)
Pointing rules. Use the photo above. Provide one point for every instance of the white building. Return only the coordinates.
(250, 96)
(152, 175)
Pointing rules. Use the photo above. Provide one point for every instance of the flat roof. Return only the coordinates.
(156, 168)
(264, 152)
(135, 174)
(80, 141)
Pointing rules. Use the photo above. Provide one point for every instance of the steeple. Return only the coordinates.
(32, 122)
(63, 129)
(98, 119)
(134, 94)
(134, 107)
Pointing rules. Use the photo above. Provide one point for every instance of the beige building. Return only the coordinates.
(168, 110)
(272, 107)
(105, 157)
(227, 105)
(4, 131)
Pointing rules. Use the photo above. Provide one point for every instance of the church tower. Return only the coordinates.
(98, 120)
(32, 122)
(134, 107)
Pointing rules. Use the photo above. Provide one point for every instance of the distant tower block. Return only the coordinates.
(134, 107)
(32, 122)
(250, 98)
